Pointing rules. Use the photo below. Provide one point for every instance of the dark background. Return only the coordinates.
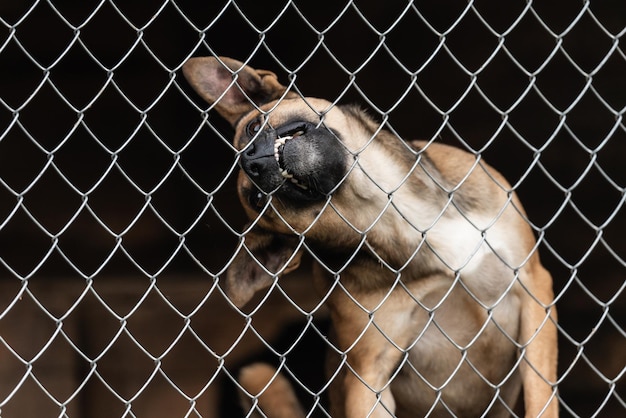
(108, 167)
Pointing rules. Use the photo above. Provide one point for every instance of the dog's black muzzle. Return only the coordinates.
(298, 160)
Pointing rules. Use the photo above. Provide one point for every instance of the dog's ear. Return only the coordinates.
(233, 87)
(263, 253)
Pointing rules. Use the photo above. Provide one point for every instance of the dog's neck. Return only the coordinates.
(350, 264)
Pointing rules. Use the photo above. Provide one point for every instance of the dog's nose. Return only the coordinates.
(250, 161)
(259, 163)
(262, 146)
(251, 150)
(253, 169)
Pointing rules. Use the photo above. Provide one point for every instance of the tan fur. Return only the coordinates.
(444, 294)
(275, 396)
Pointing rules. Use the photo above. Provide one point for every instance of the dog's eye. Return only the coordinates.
(256, 199)
(254, 127)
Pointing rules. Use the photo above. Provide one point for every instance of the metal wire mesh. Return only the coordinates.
(118, 214)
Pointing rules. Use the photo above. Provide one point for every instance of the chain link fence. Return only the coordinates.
(118, 206)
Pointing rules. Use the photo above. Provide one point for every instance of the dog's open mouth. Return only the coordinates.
(298, 160)
(279, 146)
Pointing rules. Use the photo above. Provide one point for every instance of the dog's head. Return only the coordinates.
(295, 153)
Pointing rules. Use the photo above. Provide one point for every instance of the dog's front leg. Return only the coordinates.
(372, 335)
(539, 335)
(366, 386)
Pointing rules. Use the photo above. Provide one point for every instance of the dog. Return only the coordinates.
(438, 301)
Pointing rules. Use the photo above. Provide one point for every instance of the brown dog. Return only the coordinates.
(438, 301)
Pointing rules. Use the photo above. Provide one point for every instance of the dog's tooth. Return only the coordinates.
(286, 174)
(278, 142)
(281, 141)
(297, 183)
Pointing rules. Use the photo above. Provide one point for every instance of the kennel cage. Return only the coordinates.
(118, 213)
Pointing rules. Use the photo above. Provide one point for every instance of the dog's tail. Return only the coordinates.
(269, 391)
